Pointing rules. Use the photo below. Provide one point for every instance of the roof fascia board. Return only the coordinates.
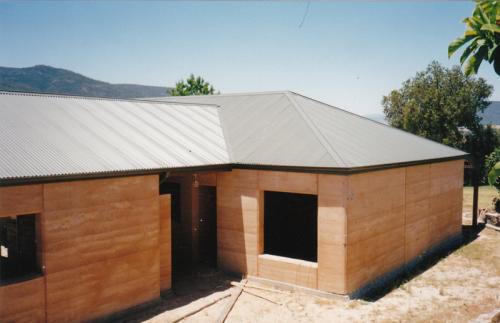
(347, 171)
(101, 175)
(222, 168)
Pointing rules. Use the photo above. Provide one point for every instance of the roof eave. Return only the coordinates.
(221, 168)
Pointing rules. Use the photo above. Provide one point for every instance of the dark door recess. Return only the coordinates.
(208, 226)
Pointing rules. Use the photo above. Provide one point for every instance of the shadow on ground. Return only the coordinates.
(199, 283)
(469, 234)
(203, 281)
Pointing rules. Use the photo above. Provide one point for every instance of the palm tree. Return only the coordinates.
(482, 35)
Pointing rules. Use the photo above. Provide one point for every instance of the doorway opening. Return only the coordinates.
(180, 258)
(193, 227)
(207, 234)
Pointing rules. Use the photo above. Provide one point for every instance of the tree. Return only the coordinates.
(491, 166)
(437, 102)
(442, 104)
(494, 176)
(482, 35)
(192, 86)
(480, 144)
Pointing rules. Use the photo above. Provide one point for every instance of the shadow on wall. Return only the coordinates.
(393, 280)
(237, 225)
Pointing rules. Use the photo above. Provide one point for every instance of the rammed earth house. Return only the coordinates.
(102, 199)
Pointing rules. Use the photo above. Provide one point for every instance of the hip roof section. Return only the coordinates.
(288, 129)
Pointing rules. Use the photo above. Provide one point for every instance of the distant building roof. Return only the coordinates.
(53, 136)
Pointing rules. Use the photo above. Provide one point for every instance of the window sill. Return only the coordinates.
(291, 261)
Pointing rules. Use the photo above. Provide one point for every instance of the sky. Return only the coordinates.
(348, 54)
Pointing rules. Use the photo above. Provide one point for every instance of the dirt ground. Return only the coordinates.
(463, 286)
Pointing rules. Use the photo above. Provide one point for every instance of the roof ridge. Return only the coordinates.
(340, 109)
(223, 126)
(97, 98)
(233, 94)
(331, 151)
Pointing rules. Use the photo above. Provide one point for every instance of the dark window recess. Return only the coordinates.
(18, 254)
(291, 225)
(174, 189)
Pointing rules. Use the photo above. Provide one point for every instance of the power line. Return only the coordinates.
(305, 14)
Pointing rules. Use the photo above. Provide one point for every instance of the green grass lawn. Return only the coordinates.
(486, 194)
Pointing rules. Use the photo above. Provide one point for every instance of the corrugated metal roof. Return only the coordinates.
(52, 135)
(288, 129)
(48, 135)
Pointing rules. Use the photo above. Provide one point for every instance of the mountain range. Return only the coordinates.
(48, 79)
(490, 116)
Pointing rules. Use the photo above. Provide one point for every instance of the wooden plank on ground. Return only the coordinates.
(234, 297)
(261, 297)
(260, 288)
(196, 310)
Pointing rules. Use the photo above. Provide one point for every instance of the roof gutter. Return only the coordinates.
(346, 171)
(102, 175)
